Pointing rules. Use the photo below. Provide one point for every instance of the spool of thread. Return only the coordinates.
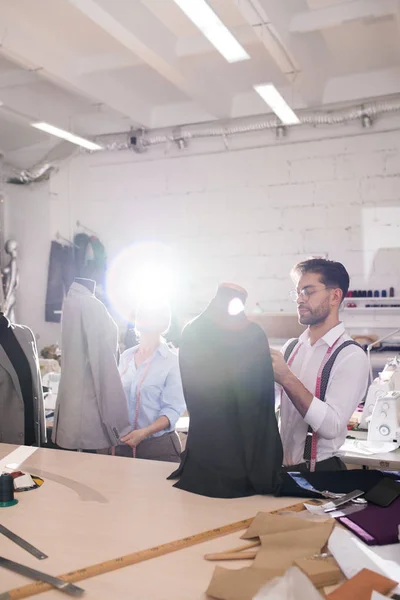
(391, 292)
(364, 293)
(384, 294)
(7, 491)
(376, 294)
(369, 294)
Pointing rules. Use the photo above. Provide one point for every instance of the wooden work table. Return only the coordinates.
(93, 508)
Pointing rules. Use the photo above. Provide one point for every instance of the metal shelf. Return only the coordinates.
(371, 309)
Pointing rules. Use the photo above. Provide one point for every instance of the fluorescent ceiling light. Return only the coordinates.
(66, 135)
(272, 97)
(213, 29)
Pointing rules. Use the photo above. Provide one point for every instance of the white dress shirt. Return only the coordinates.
(346, 389)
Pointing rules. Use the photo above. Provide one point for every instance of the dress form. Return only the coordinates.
(90, 284)
(10, 281)
(219, 307)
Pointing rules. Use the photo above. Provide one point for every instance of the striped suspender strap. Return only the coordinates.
(290, 347)
(310, 446)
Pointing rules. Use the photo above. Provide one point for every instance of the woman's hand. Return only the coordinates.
(134, 438)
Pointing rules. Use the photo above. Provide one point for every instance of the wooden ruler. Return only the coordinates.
(140, 556)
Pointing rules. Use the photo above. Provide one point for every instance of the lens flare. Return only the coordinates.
(144, 274)
(235, 307)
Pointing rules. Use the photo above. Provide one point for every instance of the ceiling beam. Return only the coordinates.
(17, 77)
(359, 86)
(310, 55)
(336, 15)
(31, 105)
(199, 44)
(21, 45)
(106, 62)
(254, 14)
(130, 24)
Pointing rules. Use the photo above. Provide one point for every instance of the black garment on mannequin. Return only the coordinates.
(233, 447)
(59, 279)
(21, 366)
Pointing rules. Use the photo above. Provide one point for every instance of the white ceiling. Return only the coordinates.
(104, 66)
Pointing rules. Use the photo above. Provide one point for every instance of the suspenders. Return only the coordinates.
(310, 446)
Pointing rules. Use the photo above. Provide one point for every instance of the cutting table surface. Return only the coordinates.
(92, 508)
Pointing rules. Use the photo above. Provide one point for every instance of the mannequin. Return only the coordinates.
(88, 283)
(91, 410)
(10, 280)
(233, 447)
(21, 396)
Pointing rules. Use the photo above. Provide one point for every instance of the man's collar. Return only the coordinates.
(329, 338)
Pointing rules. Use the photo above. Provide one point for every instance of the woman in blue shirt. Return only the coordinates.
(152, 384)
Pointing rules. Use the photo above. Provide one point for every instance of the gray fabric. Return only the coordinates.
(91, 409)
(166, 448)
(12, 425)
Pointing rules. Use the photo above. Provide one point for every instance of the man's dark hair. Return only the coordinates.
(332, 273)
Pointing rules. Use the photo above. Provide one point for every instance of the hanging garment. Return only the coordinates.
(91, 410)
(21, 397)
(60, 276)
(233, 447)
(90, 258)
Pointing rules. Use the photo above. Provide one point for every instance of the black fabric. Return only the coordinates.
(326, 372)
(330, 464)
(21, 366)
(60, 276)
(340, 482)
(233, 447)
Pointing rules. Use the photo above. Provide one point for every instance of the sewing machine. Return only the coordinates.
(384, 425)
(387, 381)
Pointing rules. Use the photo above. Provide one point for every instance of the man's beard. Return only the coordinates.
(314, 316)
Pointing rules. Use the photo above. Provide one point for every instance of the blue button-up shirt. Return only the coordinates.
(161, 392)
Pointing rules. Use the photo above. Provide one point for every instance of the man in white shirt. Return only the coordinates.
(321, 286)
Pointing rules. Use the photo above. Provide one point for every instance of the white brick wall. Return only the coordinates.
(246, 215)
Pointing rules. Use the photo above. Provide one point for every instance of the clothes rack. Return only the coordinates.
(79, 224)
(60, 237)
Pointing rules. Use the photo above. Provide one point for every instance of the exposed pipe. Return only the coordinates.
(143, 140)
(39, 172)
(42, 170)
(140, 141)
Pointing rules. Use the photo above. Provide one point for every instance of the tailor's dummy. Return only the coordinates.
(91, 410)
(233, 447)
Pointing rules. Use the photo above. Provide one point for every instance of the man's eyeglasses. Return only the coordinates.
(306, 293)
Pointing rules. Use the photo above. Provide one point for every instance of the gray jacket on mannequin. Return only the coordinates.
(91, 409)
(12, 411)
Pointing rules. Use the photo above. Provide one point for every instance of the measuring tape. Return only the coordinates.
(142, 555)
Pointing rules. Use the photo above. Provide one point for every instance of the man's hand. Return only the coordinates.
(300, 397)
(281, 370)
(134, 438)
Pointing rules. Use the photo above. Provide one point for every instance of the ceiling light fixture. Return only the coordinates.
(205, 19)
(66, 135)
(281, 108)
